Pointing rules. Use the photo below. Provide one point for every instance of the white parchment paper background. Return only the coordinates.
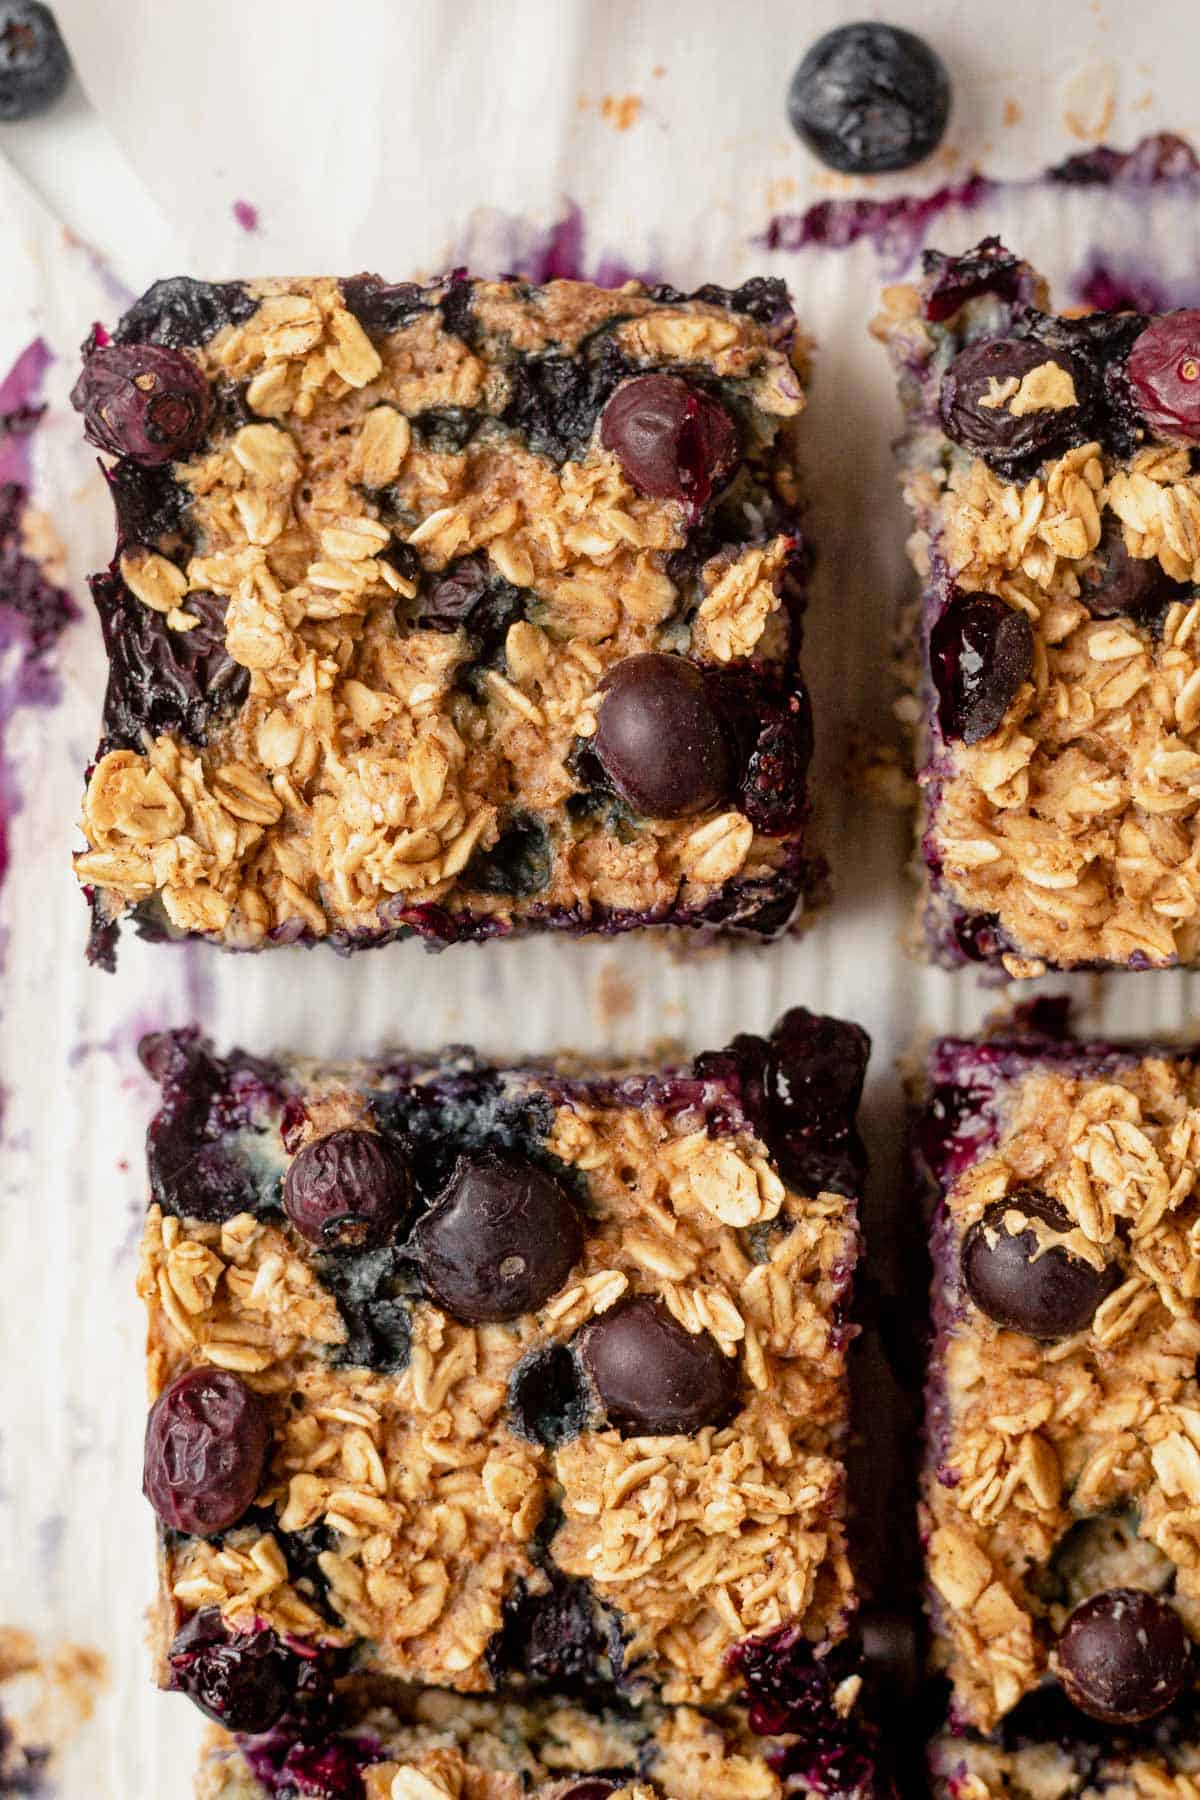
(370, 134)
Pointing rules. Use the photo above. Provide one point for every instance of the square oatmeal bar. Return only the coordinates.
(1049, 462)
(523, 1380)
(1061, 1493)
(457, 610)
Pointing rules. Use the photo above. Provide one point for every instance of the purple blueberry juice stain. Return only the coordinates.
(34, 611)
(246, 215)
(898, 226)
(558, 252)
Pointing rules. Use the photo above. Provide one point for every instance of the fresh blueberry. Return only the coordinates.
(1164, 371)
(652, 1376)
(245, 1680)
(978, 393)
(207, 1439)
(660, 739)
(1016, 1280)
(34, 65)
(674, 441)
(1123, 1656)
(142, 401)
(350, 1189)
(870, 97)
(502, 1238)
(980, 655)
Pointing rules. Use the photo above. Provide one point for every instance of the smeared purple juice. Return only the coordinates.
(34, 611)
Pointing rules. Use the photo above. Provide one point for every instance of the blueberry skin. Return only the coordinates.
(34, 65)
(868, 98)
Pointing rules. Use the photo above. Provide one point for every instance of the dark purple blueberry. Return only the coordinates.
(1118, 583)
(1123, 1655)
(774, 793)
(182, 311)
(553, 1634)
(142, 401)
(160, 680)
(349, 1190)
(380, 306)
(812, 1080)
(674, 441)
(245, 1680)
(980, 655)
(1046, 1293)
(207, 1439)
(199, 1168)
(982, 373)
(34, 65)
(520, 863)
(870, 97)
(554, 399)
(547, 1400)
(586, 1787)
(328, 1770)
(502, 1238)
(1164, 371)
(652, 1376)
(660, 739)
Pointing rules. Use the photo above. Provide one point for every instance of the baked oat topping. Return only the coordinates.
(411, 1509)
(1069, 828)
(424, 561)
(1066, 1465)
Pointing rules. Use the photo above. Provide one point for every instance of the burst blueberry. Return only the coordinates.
(673, 441)
(980, 655)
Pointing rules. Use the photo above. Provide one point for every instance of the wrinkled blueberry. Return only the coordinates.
(245, 1680)
(674, 441)
(773, 793)
(660, 739)
(206, 1447)
(470, 595)
(1046, 1293)
(980, 654)
(551, 1633)
(981, 374)
(1164, 370)
(868, 98)
(547, 1402)
(502, 1238)
(197, 1170)
(1118, 583)
(181, 311)
(652, 1376)
(380, 306)
(350, 1189)
(1123, 1656)
(160, 680)
(34, 65)
(142, 401)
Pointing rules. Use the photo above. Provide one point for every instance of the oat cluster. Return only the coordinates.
(364, 771)
(432, 1500)
(1100, 1427)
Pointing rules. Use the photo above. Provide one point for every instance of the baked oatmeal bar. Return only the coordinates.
(521, 1380)
(1065, 1766)
(439, 1746)
(457, 610)
(1055, 657)
(1061, 1493)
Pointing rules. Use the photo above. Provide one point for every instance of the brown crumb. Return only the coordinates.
(1012, 114)
(614, 994)
(621, 110)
